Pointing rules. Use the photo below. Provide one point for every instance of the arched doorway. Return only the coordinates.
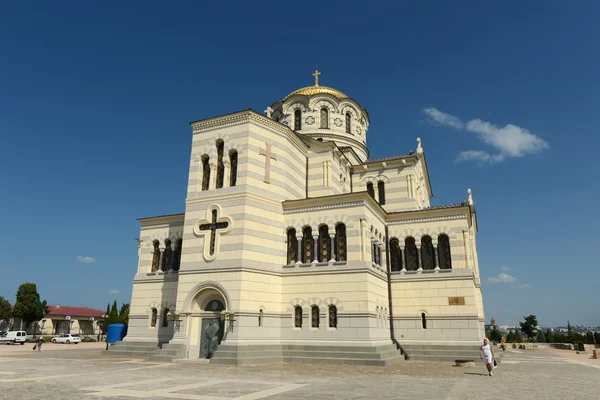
(213, 328)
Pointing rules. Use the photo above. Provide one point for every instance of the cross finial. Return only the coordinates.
(316, 75)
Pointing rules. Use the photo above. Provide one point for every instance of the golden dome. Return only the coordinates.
(316, 89)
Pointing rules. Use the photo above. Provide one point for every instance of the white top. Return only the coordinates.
(487, 352)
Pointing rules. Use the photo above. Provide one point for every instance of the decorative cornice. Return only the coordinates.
(426, 219)
(319, 207)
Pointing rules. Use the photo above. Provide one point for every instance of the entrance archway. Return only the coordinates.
(204, 305)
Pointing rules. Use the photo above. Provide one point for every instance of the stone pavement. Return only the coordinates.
(88, 374)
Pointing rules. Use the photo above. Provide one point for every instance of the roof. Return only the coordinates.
(316, 89)
(64, 311)
(464, 203)
(390, 158)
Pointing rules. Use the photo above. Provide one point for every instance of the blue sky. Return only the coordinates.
(96, 97)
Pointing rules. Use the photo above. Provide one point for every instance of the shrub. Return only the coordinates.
(88, 339)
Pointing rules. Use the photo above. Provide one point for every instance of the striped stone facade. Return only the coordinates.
(247, 232)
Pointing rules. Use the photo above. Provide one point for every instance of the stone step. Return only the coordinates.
(446, 358)
(124, 353)
(334, 354)
(170, 352)
(161, 358)
(347, 361)
(245, 361)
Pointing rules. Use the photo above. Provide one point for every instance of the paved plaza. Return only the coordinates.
(84, 372)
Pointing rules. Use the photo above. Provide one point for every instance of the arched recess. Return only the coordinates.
(199, 297)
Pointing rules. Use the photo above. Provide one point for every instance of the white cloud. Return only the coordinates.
(525, 286)
(86, 259)
(478, 155)
(113, 291)
(438, 117)
(502, 278)
(508, 141)
(504, 268)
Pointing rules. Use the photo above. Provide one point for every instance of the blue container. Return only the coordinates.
(116, 333)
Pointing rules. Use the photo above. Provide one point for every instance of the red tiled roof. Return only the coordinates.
(57, 310)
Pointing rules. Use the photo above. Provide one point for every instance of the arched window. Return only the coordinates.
(220, 166)
(381, 190)
(427, 260)
(165, 318)
(314, 316)
(297, 120)
(324, 243)
(154, 317)
(395, 255)
(205, 172)
(177, 255)
(333, 316)
(167, 258)
(307, 245)
(423, 321)
(444, 258)
(260, 317)
(298, 317)
(411, 260)
(214, 306)
(370, 189)
(348, 126)
(155, 255)
(340, 242)
(324, 118)
(233, 159)
(292, 246)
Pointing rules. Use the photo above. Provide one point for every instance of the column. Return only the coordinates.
(160, 259)
(299, 255)
(419, 258)
(467, 249)
(213, 177)
(199, 176)
(403, 259)
(436, 263)
(363, 236)
(226, 173)
(333, 255)
(316, 249)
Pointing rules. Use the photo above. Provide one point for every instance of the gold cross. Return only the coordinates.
(316, 75)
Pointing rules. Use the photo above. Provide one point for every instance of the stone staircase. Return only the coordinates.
(310, 354)
(445, 353)
(152, 351)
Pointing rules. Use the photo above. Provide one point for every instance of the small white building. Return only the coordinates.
(64, 319)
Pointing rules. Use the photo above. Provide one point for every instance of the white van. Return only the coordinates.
(13, 337)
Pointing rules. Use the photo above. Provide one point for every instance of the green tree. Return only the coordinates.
(597, 337)
(124, 314)
(28, 306)
(589, 337)
(105, 322)
(569, 332)
(529, 326)
(113, 315)
(541, 338)
(510, 338)
(5, 309)
(517, 337)
(494, 335)
(550, 336)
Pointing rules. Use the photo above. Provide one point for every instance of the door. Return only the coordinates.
(210, 336)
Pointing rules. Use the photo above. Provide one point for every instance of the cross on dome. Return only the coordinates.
(316, 75)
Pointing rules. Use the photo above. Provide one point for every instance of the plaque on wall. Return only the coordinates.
(456, 301)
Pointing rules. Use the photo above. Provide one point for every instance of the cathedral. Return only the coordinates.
(295, 246)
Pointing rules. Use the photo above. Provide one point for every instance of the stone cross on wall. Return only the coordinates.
(212, 229)
(268, 156)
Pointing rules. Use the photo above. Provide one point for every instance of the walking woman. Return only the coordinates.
(486, 353)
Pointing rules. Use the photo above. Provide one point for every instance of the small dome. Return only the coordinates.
(316, 89)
